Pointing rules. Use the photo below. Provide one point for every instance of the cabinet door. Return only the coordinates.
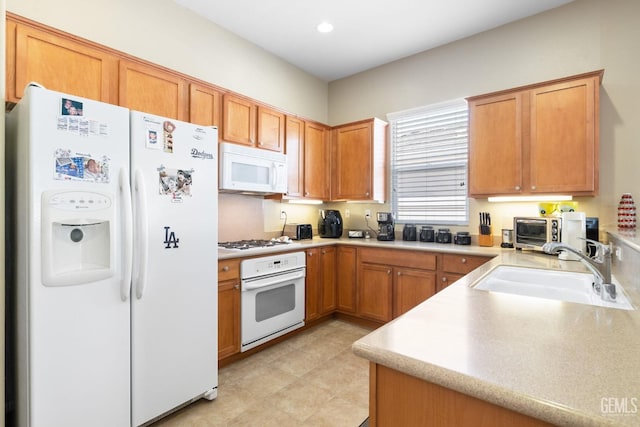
(59, 63)
(205, 105)
(328, 284)
(152, 90)
(271, 128)
(294, 148)
(564, 137)
(238, 120)
(411, 287)
(352, 162)
(316, 161)
(346, 279)
(375, 292)
(312, 284)
(495, 145)
(228, 318)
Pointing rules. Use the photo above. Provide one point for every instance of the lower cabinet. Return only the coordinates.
(454, 266)
(320, 289)
(391, 282)
(228, 308)
(346, 279)
(398, 399)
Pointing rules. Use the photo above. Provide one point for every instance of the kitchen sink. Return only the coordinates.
(549, 284)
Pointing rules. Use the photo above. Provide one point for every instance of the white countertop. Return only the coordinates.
(552, 360)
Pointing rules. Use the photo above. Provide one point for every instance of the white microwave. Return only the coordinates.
(252, 170)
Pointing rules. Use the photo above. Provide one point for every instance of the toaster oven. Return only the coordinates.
(298, 231)
(532, 233)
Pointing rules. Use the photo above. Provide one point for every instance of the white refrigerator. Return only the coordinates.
(112, 219)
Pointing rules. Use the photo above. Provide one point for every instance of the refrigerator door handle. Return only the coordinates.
(125, 192)
(142, 248)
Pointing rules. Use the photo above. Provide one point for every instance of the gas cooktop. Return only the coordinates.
(252, 244)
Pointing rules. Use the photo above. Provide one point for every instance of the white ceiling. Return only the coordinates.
(367, 33)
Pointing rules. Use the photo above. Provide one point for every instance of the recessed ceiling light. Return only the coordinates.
(325, 27)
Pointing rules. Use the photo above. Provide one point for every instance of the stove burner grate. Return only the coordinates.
(250, 244)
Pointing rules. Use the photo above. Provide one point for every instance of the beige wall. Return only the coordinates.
(164, 33)
(582, 36)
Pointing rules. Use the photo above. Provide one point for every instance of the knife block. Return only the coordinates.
(485, 239)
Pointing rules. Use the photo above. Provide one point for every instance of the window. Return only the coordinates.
(429, 148)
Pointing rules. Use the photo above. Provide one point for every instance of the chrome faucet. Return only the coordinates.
(599, 265)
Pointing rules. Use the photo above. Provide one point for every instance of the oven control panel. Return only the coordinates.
(262, 266)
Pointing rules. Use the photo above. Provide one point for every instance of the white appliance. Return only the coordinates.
(252, 170)
(574, 233)
(272, 297)
(116, 316)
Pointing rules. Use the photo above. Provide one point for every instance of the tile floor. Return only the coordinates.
(312, 379)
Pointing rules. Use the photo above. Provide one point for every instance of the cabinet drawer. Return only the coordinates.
(462, 264)
(401, 258)
(228, 269)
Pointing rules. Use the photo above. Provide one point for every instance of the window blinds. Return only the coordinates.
(429, 148)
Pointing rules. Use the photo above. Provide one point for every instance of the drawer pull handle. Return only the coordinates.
(225, 268)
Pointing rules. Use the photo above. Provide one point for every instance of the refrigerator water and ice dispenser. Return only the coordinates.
(77, 237)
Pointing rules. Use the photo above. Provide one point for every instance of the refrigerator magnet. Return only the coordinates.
(175, 183)
(168, 128)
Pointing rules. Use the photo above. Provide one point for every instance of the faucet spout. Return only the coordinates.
(600, 266)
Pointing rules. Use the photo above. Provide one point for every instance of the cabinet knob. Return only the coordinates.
(306, 193)
(399, 273)
(388, 271)
(444, 279)
(463, 260)
(260, 143)
(236, 286)
(366, 194)
(533, 187)
(225, 268)
(310, 254)
(324, 252)
(517, 188)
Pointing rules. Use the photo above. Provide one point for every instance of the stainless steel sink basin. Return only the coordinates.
(548, 284)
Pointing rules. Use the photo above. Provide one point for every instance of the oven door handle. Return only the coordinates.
(265, 282)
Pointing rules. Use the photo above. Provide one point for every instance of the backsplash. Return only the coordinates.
(625, 263)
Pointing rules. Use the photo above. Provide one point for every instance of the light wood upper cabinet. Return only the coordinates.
(271, 129)
(238, 120)
(316, 161)
(564, 139)
(538, 139)
(205, 105)
(58, 62)
(358, 153)
(152, 90)
(294, 148)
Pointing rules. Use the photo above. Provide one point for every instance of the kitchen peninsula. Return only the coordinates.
(472, 353)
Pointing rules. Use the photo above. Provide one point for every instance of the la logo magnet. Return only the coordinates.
(170, 240)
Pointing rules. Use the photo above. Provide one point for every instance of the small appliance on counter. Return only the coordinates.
(593, 233)
(443, 235)
(298, 231)
(427, 234)
(356, 234)
(533, 232)
(409, 233)
(386, 228)
(574, 232)
(330, 224)
(462, 238)
(507, 238)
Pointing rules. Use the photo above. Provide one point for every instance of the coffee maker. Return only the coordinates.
(386, 230)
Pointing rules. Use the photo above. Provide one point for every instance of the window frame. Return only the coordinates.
(429, 117)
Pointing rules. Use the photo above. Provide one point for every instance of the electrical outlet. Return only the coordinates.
(347, 213)
(367, 213)
(283, 215)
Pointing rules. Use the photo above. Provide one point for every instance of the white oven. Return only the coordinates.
(272, 297)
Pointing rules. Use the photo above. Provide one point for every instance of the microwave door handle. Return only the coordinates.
(274, 175)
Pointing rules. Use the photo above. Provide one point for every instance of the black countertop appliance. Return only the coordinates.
(330, 224)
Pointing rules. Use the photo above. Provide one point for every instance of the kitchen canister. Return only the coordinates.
(626, 213)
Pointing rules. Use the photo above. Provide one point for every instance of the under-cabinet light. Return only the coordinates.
(548, 198)
(305, 202)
